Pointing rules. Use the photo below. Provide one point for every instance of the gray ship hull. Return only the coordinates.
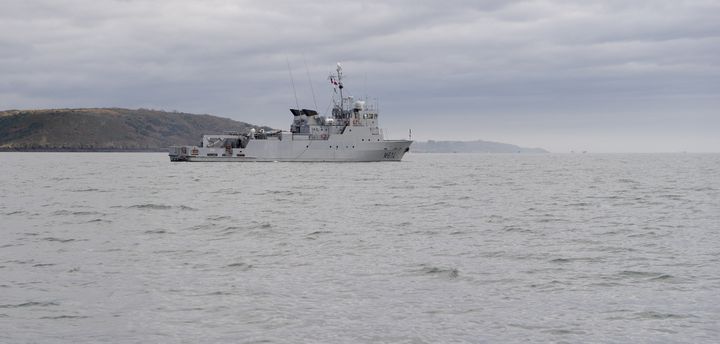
(298, 149)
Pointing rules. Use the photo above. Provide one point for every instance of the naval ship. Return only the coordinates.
(350, 133)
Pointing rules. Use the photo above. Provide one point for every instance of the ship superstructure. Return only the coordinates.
(349, 133)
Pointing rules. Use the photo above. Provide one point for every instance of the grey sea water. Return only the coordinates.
(435, 249)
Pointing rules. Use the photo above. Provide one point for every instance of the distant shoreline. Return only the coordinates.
(108, 150)
(146, 130)
(84, 150)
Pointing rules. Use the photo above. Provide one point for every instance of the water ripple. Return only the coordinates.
(438, 248)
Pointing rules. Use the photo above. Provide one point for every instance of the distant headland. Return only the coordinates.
(107, 129)
(147, 130)
(477, 146)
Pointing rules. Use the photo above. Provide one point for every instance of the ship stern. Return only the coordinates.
(177, 153)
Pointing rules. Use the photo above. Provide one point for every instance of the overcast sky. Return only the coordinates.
(601, 76)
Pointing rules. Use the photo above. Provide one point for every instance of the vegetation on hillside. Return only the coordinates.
(107, 129)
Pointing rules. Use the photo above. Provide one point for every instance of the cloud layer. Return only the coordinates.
(591, 75)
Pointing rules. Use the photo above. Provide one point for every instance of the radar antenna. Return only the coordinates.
(292, 81)
(312, 89)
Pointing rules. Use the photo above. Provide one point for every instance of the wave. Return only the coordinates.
(450, 273)
(155, 206)
(59, 240)
(319, 232)
(87, 190)
(30, 304)
(65, 212)
(642, 274)
(262, 225)
(219, 218)
(150, 206)
(229, 191)
(649, 277)
(652, 315)
(99, 220)
(58, 317)
(218, 293)
(516, 229)
(578, 259)
(240, 266)
(155, 231)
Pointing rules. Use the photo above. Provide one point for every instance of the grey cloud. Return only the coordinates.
(534, 62)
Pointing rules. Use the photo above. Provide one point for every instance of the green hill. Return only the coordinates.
(107, 129)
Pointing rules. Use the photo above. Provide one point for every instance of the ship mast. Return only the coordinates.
(340, 85)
